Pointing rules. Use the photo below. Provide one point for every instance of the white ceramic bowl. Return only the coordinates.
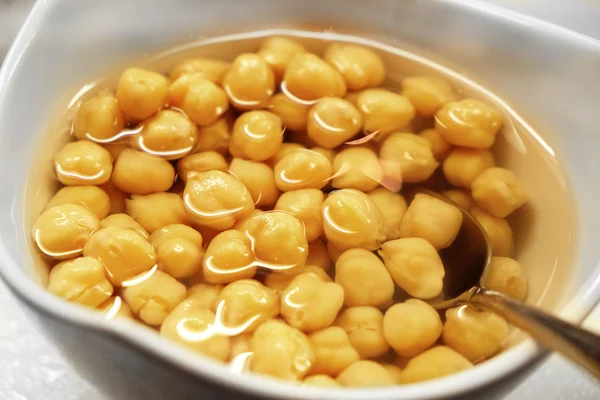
(548, 73)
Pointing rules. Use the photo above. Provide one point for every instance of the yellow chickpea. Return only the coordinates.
(318, 255)
(321, 380)
(246, 304)
(169, 134)
(356, 168)
(507, 276)
(394, 371)
(91, 197)
(498, 231)
(302, 169)
(351, 220)
(201, 162)
(411, 327)
(216, 199)
(205, 295)
(259, 180)
(240, 345)
(157, 210)
(124, 253)
(329, 153)
(257, 135)
(364, 326)
(361, 67)
(406, 157)
(292, 113)
(174, 231)
(305, 204)
(179, 257)
(249, 83)
(115, 149)
(434, 363)
(477, 335)
(278, 52)
(439, 147)
(141, 93)
(309, 77)
(83, 163)
(284, 150)
(364, 278)
(99, 118)
(427, 93)
(116, 197)
(463, 166)
(213, 70)
(432, 219)
(281, 351)
(81, 280)
(215, 137)
(62, 231)
(468, 123)
(393, 207)
(229, 257)
(415, 266)
(462, 197)
(280, 281)
(384, 111)
(242, 223)
(332, 121)
(137, 172)
(199, 98)
(279, 241)
(498, 192)
(115, 307)
(124, 221)
(193, 327)
(365, 373)
(333, 351)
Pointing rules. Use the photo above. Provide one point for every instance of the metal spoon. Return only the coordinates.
(469, 258)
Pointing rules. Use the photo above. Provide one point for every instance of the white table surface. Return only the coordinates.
(32, 369)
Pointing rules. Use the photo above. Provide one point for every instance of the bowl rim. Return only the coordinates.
(148, 341)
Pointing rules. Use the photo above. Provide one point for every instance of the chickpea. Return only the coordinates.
(321, 380)
(175, 231)
(99, 118)
(351, 219)
(308, 77)
(394, 371)
(364, 326)
(205, 295)
(141, 93)
(137, 172)
(475, 334)
(179, 257)
(278, 52)
(304, 204)
(157, 210)
(193, 327)
(62, 231)
(498, 192)
(329, 153)
(427, 93)
(333, 351)
(81, 281)
(332, 121)
(302, 169)
(364, 278)
(201, 162)
(249, 83)
(468, 123)
(281, 351)
(258, 178)
(123, 221)
(461, 197)
(242, 223)
(215, 137)
(507, 276)
(91, 197)
(414, 265)
(406, 157)
(240, 345)
(384, 111)
(434, 363)
(208, 234)
(115, 307)
(280, 281)
(257, 135)
(318, 255)
(463, 166)
(356, 168)
(293, 114)
(284, 150)
(116, 197)
(124, 253)
(309, 304)
(247, 304)
(229, 257)
(439, 147)
(365, 373)
(115, 149)
(279, 241)
(361, 67)
(213, 70)
(393, 207)
(169, 134)
(498, 231)
(83, 163)
(334, 252)
(199, 98)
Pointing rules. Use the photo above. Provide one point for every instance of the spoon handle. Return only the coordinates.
(578, 344)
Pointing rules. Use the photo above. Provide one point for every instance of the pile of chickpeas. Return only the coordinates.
(250, 211)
